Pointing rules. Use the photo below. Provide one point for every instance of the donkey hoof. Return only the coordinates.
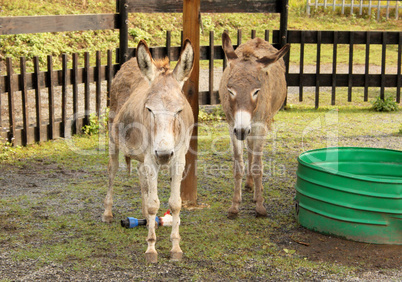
(261, 212)
(151, 257)
(176, 256)
(249, 187)
(107, 218)
(232, 215)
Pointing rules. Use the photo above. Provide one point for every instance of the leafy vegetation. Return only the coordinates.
(97, 125)
(385, 105)
(7, 150)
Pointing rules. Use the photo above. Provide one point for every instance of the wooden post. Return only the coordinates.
(284, 23)
(283, 34)
(11, 103)
(51, 129)
(191, 31)
(123, 25)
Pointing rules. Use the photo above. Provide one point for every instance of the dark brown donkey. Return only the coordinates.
(252, 90)
(151, 121)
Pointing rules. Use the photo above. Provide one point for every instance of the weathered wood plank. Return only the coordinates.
(334, 66)
(301, 70)
(65, 130)
(98, 83)
(318, 71)
(24, 96)
(351, 42)
(50, 76)
(11, 102)
(59, 23)
(383, 62)
(367, 66)
(76, 128)
(169, 44)
(207, 6)
(109, 75)
(38, 101)
(86, 88)
(211, 99)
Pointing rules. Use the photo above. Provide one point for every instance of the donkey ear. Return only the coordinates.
(267, 61)
(145, 61)
(228, 47)
(185, 64)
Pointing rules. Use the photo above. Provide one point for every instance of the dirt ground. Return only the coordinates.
(318, 247)
(376, 262)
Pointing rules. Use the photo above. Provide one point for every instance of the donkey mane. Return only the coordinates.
(248, 53)
(163, 64)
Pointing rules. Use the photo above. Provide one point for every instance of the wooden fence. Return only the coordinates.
(67, 122)
(39, 117)
(44, 105)
(357, 6)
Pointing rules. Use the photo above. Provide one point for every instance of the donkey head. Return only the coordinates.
(245, 82)
(165, 100)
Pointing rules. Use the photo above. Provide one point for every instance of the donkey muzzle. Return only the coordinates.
(163, 156)
(241, 133)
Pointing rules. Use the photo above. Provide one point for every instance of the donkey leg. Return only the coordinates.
(249, 186)
(177, 169)
(238, 168)
(144, 189)
(112, 169)
(128, 164)
(257, 175)
(152, 206)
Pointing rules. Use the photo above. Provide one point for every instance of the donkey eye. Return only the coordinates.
(231, 92)
(256, 92)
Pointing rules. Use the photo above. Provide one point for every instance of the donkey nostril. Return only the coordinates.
(235, 131)
(156, 152)
(249, 131)
(171, 154)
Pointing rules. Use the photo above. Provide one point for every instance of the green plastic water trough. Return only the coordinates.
(351, 192)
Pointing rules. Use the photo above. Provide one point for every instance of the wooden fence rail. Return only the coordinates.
(39, 117)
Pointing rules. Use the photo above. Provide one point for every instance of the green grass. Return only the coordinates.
(62, 225)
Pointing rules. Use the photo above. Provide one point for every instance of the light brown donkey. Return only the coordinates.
(151, 121)
(252, 90)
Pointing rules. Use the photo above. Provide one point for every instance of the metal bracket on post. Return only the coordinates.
(123, 26)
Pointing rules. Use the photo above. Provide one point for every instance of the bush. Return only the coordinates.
(386, 105)
(97, 125)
